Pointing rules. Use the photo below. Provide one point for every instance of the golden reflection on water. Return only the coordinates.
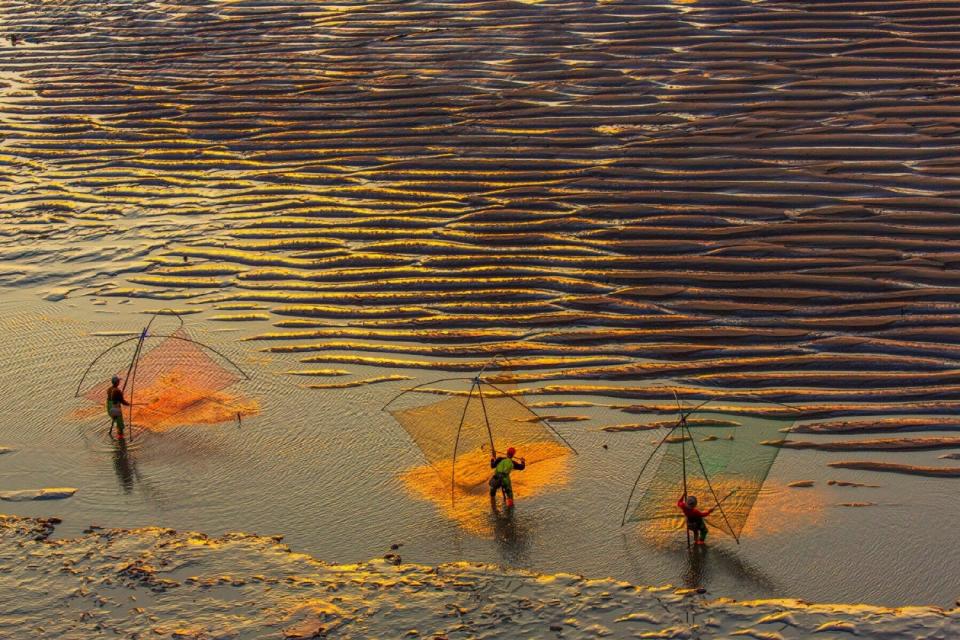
(470, 506)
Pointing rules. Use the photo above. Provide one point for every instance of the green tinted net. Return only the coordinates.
(729, 451)
(433, 427)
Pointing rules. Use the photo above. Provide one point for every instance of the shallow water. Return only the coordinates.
(723, 196)
(324, 467)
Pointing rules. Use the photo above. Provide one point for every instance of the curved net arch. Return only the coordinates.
(719, 455)
(459, 434)
(169, 379)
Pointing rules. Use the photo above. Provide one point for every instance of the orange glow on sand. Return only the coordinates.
(546, 470)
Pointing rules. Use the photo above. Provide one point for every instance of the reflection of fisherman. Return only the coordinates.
(695, 523)
(502, 466)
(123, 465)
(115, 404)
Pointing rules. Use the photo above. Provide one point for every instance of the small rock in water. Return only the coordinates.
(4, 450)
(709, 439)
(801, 483)
(395, 546)
(605, 447)
(842, 483)
(49, 493)
(946, 456)
(392, 558)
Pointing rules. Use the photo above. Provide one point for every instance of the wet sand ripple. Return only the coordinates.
(740, 195)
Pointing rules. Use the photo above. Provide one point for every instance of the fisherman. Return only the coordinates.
(502, 466)
(115, 404)
(695, 523)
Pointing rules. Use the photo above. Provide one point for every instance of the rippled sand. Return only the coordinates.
(737, 195)
(167, 584)
(753, 200)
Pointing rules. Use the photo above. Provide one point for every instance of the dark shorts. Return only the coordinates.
(696, 524)
(500, 482)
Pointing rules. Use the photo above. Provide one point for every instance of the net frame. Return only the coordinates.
(671, 439)
(477, 384)
(178, 336)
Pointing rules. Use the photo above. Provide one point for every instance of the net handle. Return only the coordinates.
(710, 485)
(486, 419)
(141, 336)
(456, 444)
(646, 463)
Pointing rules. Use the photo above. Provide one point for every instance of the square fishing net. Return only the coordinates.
(463, 452)
(173, 381)
(726, 459)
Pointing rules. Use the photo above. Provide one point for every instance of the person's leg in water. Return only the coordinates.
(701, 534)
(118, 423)
(495, 486)
(508, 492)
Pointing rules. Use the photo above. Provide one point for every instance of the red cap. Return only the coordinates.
(510, 452)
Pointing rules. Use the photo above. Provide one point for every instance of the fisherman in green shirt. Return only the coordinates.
(502, 466)
(115, 404)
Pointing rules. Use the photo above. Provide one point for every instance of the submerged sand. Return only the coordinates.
(162, 583)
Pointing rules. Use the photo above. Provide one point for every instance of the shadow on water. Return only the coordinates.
(704, 563)
(708, 567)
(124, 465)
(124, 453)
(512, 533)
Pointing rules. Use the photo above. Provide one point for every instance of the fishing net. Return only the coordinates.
(171, 382)
(462, 456)
(725, 460)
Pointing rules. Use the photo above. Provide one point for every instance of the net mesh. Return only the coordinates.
(174, 381)
(433, 427)
(732, 456)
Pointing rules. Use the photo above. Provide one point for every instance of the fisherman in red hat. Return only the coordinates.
(694, 516)
(502, 466)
